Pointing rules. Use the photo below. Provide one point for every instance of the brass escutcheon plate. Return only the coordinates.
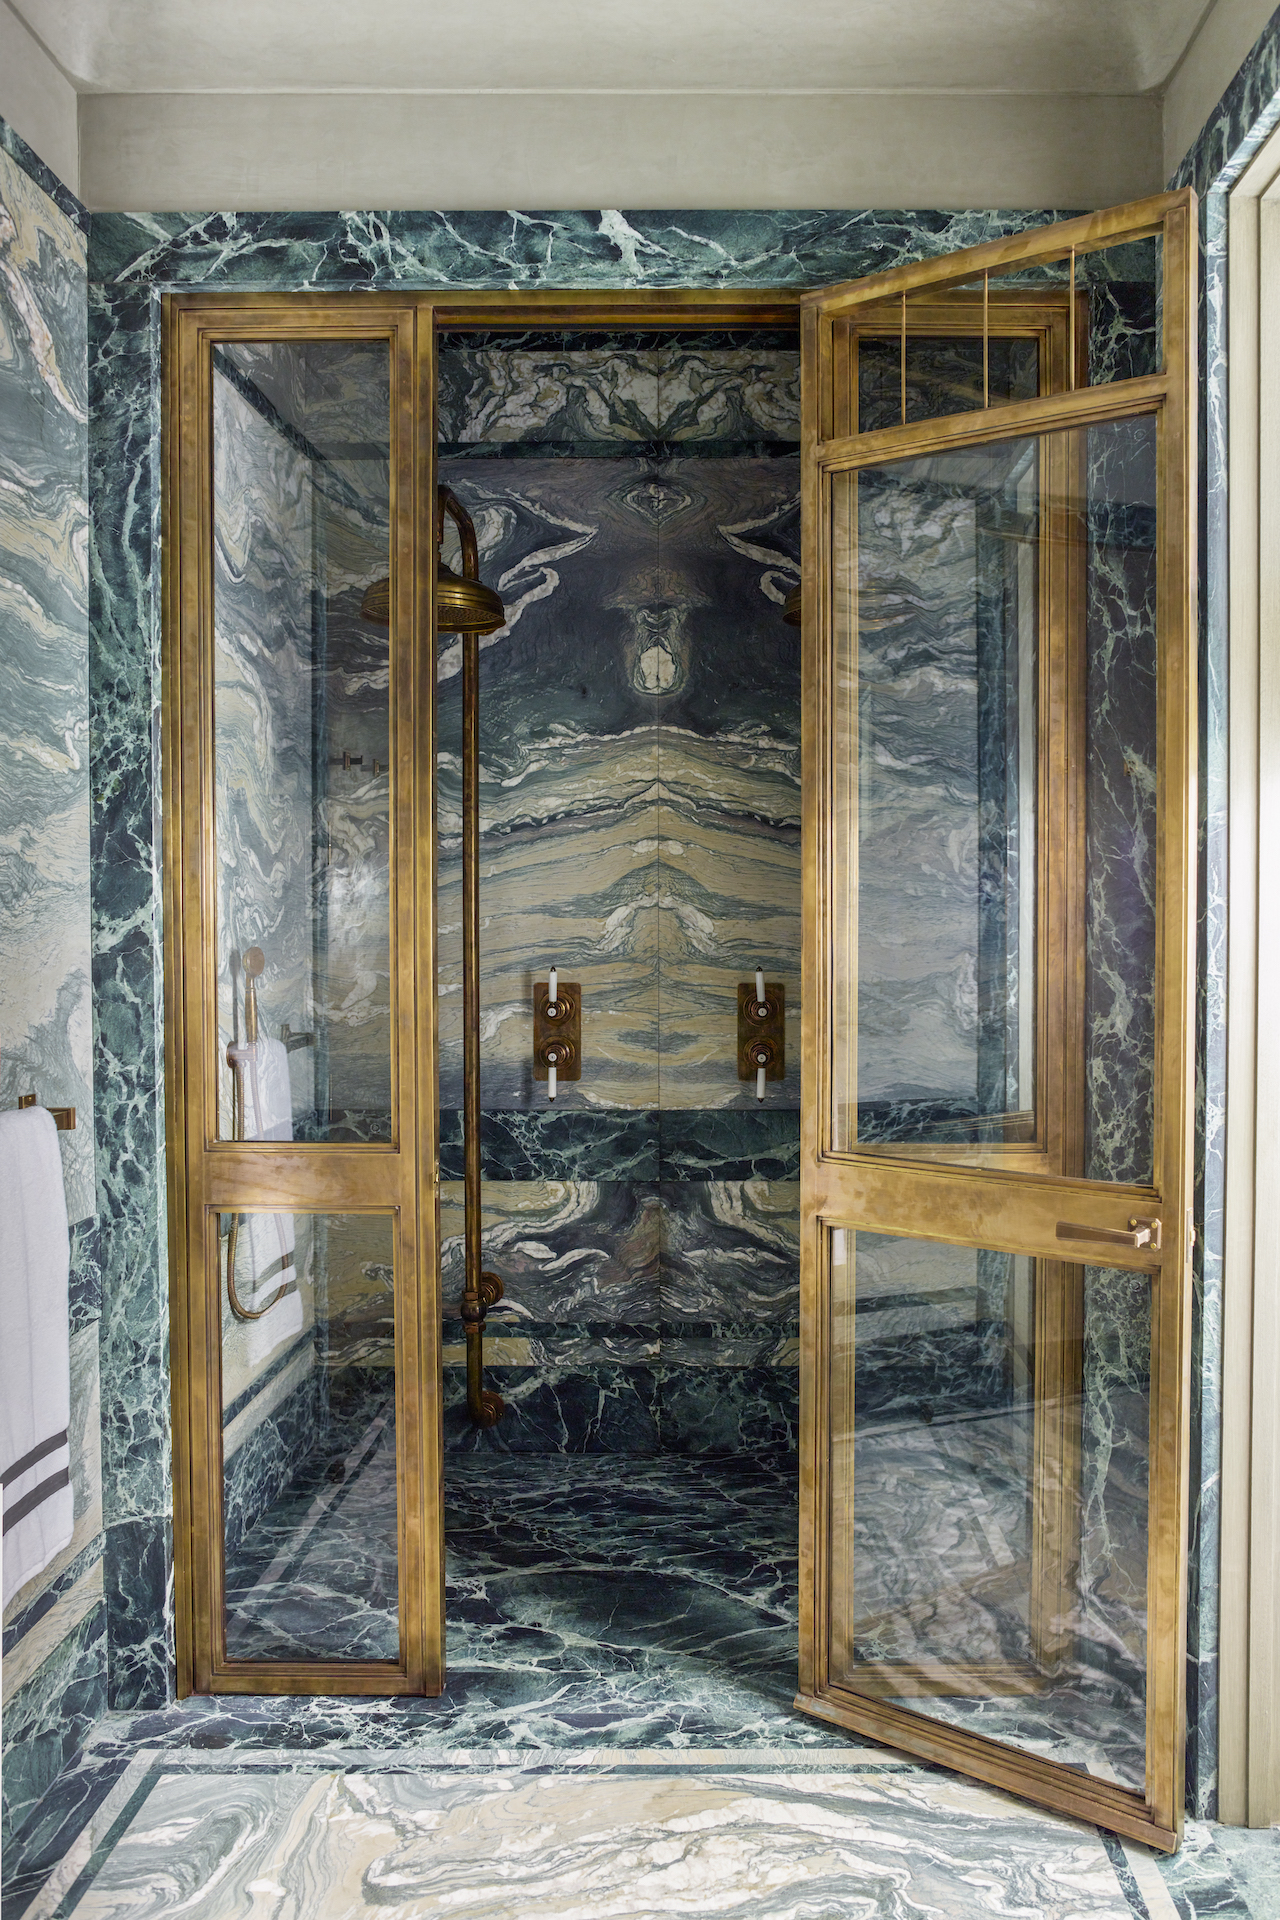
(756, 1029)
(561, 1030)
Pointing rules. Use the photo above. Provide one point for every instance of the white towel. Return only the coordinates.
(269, 1237)
(35, 1352)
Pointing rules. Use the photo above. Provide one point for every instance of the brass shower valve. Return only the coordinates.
(762, 1046)
(557, 1031)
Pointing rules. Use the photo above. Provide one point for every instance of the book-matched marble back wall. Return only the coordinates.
(637, 505)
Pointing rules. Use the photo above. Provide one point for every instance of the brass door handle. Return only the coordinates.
(1141, 1233)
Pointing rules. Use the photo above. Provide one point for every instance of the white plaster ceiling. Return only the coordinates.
(184, 46)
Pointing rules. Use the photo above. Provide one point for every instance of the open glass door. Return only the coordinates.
(999, 917)
(300, 1051)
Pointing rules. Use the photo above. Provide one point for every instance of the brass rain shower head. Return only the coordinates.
(463, 603)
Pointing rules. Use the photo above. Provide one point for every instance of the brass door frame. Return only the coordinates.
(189, 317)
(998, 1203)
(208, 1175)
(205, 1175)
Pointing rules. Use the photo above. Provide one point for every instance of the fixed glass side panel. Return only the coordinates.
(989, 1515)
(994, 618)
(1119, 534)
(936, 792)
(933, 374)
(309, 1482)
(302, 801)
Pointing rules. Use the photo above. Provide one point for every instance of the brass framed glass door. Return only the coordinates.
(300, 969)
(299, 893)
(999, 915)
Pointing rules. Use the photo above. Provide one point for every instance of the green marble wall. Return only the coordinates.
(54, 1634)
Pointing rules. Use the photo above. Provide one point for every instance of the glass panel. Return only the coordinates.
(990, 1571)
(309, 1437)
(1119, 305)
(301, 739)
(1124, 309)
(1120, 560)
(942, 645)
(936, 794)
(944, 375)
(1118, 336)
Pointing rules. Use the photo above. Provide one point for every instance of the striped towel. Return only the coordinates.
(35, 1353)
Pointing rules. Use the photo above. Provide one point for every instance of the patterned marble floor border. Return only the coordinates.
(706, 1831)
(693, 1834)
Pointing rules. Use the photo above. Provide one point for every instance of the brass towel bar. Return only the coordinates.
(64, 1118)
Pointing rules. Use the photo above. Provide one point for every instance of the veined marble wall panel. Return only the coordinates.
(571, 1253)
(649, 732)
(569, 820)
(709, 390)
(53, 1626)
(1121, 803)
(635, 1317)
(46, 1038)
(729, 1382)
(729, 774)
(525, 392)
(705, 387)
(572, 1344)
(731, 1253)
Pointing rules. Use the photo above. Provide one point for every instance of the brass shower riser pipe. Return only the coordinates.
(482, 1290)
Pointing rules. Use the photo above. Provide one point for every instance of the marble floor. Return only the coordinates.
(542, 1556)
(616, 1737)
(315, 1576)
(556, 1833)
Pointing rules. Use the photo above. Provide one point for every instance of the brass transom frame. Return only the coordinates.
(1012, 1197)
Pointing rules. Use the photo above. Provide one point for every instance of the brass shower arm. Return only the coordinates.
(448, 502)
(463, 603)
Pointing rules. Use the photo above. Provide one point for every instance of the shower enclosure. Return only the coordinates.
(957, 1349)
